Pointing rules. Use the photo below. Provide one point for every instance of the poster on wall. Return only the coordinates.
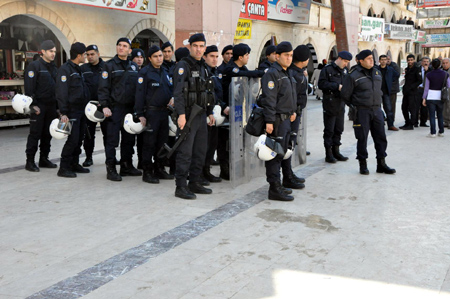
(437, 40)
(371, 30)
(139, 6)
(432, 3)
(243, 29)
(294, 11)
(397, 31)
(431, 24)
(254, 10)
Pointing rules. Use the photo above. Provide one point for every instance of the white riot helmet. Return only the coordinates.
(21, 103)
(291, 146)
(288, 154)
(263, 152)
(217, 113)
(60, 130)
(132, 126)
(172, 128)
(310, 89)
(92, 112)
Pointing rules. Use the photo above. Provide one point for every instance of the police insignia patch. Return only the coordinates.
(105, 75)
(140, 80)
(265, 71)
(220, 76)
(31, 74)
(271, 84)
(63, 78)
(180, 71)
(235, 70)
(133, 67)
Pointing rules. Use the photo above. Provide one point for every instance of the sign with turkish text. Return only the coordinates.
(420, 36)
(432, 3)
(431, 24)
(372, 29)
(294, 11)
(437, 40)
(254, 10)
(139, 6)
(397, 31)
(243, 29)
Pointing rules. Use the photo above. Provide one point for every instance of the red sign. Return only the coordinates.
(432, 3)
(254, 10)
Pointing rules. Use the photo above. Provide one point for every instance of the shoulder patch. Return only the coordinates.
(265, 71)
(235, 70)
(105, 75)
(180, 71)
(31, 74)
(220, 76)
(63, 78)
(271, 84)
(133, 67)
(140, 80)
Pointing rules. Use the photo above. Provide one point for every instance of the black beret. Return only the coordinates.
(91, 47)
(270, 49)
(283, 47)
(136, 53)
(47, 45)
(240, 50)
(124, 39)
(78, 48)
(363, 54)
(211, 49)
(229, 47)
(165, 45)
(345, 55)
(152, 50)
(180, 53)
(198, 37)
(301, 53)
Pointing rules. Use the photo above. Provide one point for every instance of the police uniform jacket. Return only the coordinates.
(153, 89)
(217, 84)
(278, 93)
(362, 87)
(169, 66)
(391, 76)
(72, 92)
(221, 69)
(92, 74)
(331, 76)
(39, 82)
(265, 65)
(413, 78)
(117, 85)
(302, 85)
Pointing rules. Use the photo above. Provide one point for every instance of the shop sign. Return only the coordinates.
(430, 24)
(254, 10)
(397, 31)
(437, 40)
(372, 29)
(131, 6)
(30, 54)
(432, 3)
(420, 36)
(294, 11)
(243, 29)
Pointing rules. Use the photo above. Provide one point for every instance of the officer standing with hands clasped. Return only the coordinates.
(362, 90)
(190, 88)
(330, 82)
(279, 101)
(72, 95)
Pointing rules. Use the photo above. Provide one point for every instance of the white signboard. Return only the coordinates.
(397, 31)
(430, 24)
(372, 29)
(140, 6)
(294, 11)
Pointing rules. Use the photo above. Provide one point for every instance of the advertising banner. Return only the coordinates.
(294, 11)
(139, 6)
(432, 3)
(254, 10)
(431, 24)
(437, 40)
(420, 36)
(243, 29)
(397, 31)
(372, 29)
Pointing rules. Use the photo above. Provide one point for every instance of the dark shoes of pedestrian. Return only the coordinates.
(292, 176)
(393, 128)
(44, 162)
(276, 192)
(148, 177)
(225, 172)
(292, 184)
(363, 167)
(329, 158)
(111, 172)
(185, 193)
(407, 128)
(198, 188)
(383, 168)
(30, 165)
(286, 190)
(127, 169)
(209, 176)
(79, 169)
(337, 154)
(66, 173)
(88, 162)
(424, 125)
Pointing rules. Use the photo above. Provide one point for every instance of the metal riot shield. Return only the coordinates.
(299, 156)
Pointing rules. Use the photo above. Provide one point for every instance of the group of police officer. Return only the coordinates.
(186, 92)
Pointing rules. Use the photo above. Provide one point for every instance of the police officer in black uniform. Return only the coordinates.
(279, 101)
(168, 64)
(137, 56)
(92, 72)
(362, 90)
(227, 55)
(153, 95)
(116, 94)
(271, 52)
(39, 80)
(72, 95)
(191, 87)
(330, 82)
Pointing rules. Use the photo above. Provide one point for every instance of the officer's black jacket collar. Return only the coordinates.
(154, 69)
(199, 62)
(293, 67)
(47, 64)
(118, 60)
(278, 67)
(211, 70)
(75, 66)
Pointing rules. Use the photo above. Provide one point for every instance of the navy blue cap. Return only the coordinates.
(211, 49)
(152, 50)
(301, 53)
(240, 50)
(345, 55)
(92, 47)
(180, 53)
(136, 53)
(226, 48)
(283, 47)
(124, 39)
(198, 37)
(363, 54)
(47, 45)
(271, 49)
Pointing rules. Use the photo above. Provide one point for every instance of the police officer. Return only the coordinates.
(362, 90)
(39, 80)
(235, 68)
(72, 95)
(271, 57)
(137, 56)
(92, 72)
(153, 95)
(168, 63)
(116, 93)
(330, 82)
(190, 88)
(279, 101)
(211, 57)
(227, 54)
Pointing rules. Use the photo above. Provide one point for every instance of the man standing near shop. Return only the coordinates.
(389, 77)
(39, 83)
(271, 57)
(116, 93)
(227, 54)
(422, 111)
(330, 82)
(72, 95)
(168, 64)
(413, 78)
(395, 85)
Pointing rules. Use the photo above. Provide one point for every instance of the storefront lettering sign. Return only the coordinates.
(254, 10)
(131, 6)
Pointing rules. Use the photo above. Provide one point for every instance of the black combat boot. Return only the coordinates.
(363, 167)
(337, 154)
(289, 182)
(30, 165)
(225, 171)
(296, 178)
(209, 176)
(276, 192)
(111, 172)
(286, 190)
(66, 173)
(148, 175)
(329, 156)
(79, 169)
(127, 169)
(383, 168)
(44, 162)
(88, 162)
(198, 188)
(161, 173)
(185, 193)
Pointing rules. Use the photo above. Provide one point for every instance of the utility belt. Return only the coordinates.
(156, 108)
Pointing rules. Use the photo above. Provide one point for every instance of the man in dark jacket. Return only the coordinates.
(362, 90)
(271, 52)
(72, 95)
(413, 79)
(168, 64)
(39, 83)
(389, 77)
(227, 55)
(395, 85)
